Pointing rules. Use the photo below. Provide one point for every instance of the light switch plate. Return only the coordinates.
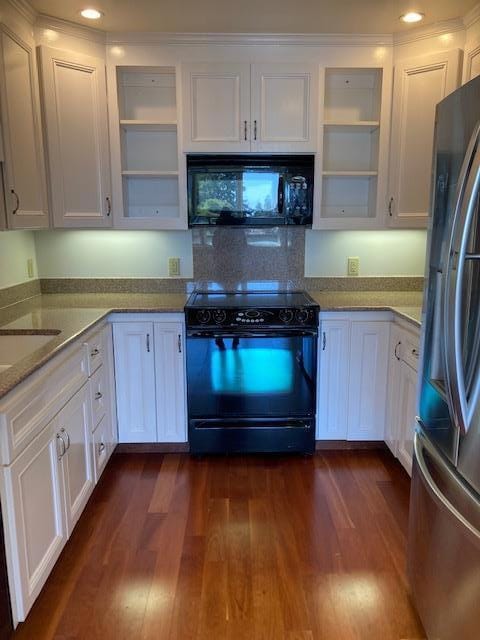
(174, 266)
(353, 268)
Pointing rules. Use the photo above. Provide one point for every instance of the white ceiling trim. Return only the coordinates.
(429, 31)
(472, 16)
(71, 29)
(249, 39)
(25, 9)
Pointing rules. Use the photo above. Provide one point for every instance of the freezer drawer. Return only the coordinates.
(444, 548)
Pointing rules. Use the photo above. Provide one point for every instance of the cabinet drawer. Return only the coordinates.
(96, 347)
(99, 395)
(410, 350)
(30, 407)
(101, 443)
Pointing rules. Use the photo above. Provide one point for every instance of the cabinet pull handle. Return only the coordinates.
(101, 448)
(399, 344)
(415, 353)
(109, 205)
(179, 343)
(244, 129)
(254, 129)
(64, 447)
(62, 430)
(324, 341)
(390, 207)
(98, 395)
(94, 352)
(148, 343)
(17, 201)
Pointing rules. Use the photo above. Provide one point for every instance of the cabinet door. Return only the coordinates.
(216, 104)
(406, 407)
(333, 365)
(34, 518)
(74, 427)
(368, 380)
(75, 106)
(170, 382)
(284, 107)
(391, 423)
(135, 381)
(419, 84)
(22, 138)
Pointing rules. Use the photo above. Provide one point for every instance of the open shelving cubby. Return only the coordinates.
(351, 142)
(149, 142)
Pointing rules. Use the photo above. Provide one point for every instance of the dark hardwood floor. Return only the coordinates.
(241, 548)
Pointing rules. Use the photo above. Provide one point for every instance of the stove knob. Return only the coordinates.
(219, 315)
(203, 316)
(286, 315)
(301, 315)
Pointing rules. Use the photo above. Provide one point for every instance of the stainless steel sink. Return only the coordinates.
(16, 346)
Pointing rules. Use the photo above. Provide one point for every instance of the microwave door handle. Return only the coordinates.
(465, 207)
(281, 186)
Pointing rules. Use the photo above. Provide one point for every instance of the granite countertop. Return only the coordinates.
(74, 314)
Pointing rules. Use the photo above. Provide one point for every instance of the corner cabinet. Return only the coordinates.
(352, 383)
(150, 378)
(419, 84)
(404, 354)
(74, 98)
(24, 168)
(232, 107)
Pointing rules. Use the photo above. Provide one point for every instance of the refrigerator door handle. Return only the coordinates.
(421, 444)
(467, 192)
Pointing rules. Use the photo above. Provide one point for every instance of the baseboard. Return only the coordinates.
(153, 447)
(347, 445)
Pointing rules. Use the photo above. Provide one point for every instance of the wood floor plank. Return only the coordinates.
(236, 548)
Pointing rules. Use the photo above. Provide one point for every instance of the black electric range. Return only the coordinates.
(251, 371)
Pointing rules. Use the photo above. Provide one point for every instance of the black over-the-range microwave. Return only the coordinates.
(250, 190)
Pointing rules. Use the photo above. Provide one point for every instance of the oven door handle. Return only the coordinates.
(253, 334)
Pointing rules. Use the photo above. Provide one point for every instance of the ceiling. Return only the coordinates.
(254, 16)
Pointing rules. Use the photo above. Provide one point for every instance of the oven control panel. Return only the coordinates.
(258, 318)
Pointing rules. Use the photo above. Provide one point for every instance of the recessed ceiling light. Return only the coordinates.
(91, 14)
(412, 16)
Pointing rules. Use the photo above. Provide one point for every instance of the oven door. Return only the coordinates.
(251, 391)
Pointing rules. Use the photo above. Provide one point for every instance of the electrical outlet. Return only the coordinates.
(174, 266)
(30, 268)
(353, 268)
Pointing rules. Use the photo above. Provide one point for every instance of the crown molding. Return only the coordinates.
(71, 29)
(25, 9)
(249, 39)
(428, 31)
(472, 16)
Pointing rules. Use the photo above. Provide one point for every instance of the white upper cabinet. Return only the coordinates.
(240, 107)
(75, 107)
(419, 84)
(216, 102)
(284, 107)
(24, 170)
(350, 181)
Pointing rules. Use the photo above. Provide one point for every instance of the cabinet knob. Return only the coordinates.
(101, 448)
(98, 395)
(94, 352)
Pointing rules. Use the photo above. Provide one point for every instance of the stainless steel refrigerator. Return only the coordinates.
(444, 531)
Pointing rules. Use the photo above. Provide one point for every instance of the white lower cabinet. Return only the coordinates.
(150, 379)
(48, 431)
(77, 472)
(402, 394)
(33, 512)
(352, 385)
